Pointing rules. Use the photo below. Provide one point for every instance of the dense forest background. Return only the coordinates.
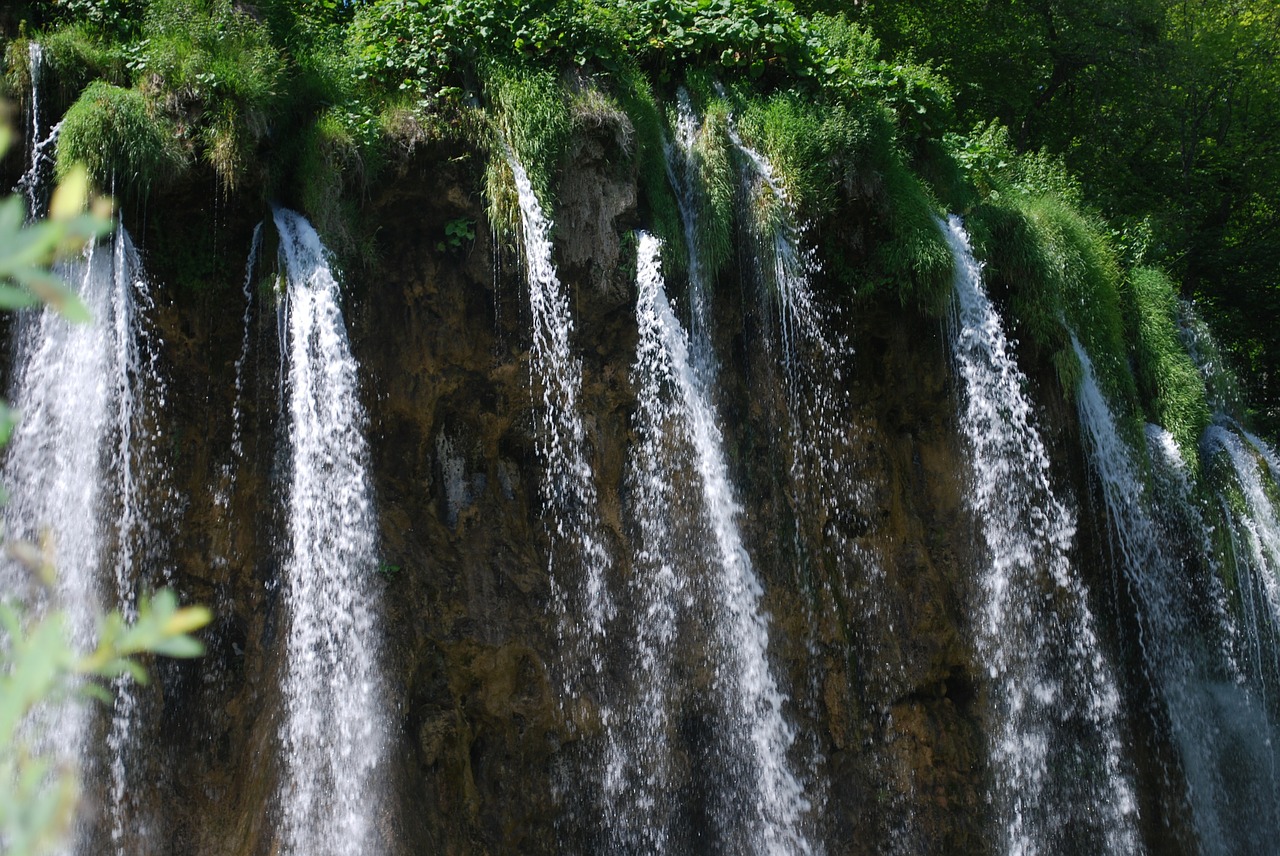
(1144, 134)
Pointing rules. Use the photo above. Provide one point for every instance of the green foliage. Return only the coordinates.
(79, 53)
(658, 206)
(1168, 112)
(533, 118)
(987, 156)
(457, 233)
(37, 667)
(755, 37)
(853, 68)
(337, 155)
(1062, 276)
(115, 20)
(421, 47)
(915, 258)
(715, 183)
(1220, 381)
(217, 73)
(1168, 378)
(27, 250)
(827, 158)
(120, 140)
(425, 46)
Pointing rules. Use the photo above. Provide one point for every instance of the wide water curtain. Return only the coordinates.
(1059, 777)
(333, 730)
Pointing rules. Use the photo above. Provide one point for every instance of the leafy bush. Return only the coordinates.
(120, 140)
(852, 68)
(426, 46)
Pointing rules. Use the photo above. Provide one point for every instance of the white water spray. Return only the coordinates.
(333, 730)
(762, 807)
(1053, 740)
(568, 486)
(74, 468)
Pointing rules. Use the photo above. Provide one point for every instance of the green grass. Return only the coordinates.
(658, 207)
(124, 144)
(1169, 381)
(216, 71)
(838, 162)
(531, 114)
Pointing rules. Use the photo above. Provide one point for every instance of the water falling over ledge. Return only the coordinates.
(1054, 701)
(79, 466)
(1221, 737)
(333, 731)
(700, 566)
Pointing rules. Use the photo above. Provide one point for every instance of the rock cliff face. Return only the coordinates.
(876, 653)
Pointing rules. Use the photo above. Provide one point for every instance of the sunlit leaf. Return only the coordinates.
(72, 194)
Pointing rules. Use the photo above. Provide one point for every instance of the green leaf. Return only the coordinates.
(16, 298)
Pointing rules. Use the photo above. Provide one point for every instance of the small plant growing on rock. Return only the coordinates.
(457, 233)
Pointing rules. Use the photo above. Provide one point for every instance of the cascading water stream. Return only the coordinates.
(682, 172)
(842, 574)
(1248, 501)
(759, 806)
(567, 484)
(237, 415)
(34, 182)
(1219, 733)
(333, 732)
(1059, 781)
(74, 468)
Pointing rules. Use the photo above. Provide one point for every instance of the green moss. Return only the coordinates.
(1062, 275)
(1169, 380)
(126, 147)
(336, 159)
(1085, 277)
(715, 186)
(915, 257)
(658, 207)
(830, 158)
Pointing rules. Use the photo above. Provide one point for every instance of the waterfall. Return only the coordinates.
(682, 172)
(698, 566)
(34, 182)
(842, 574)
(1219, 733)
(237, 447)
(76, 467)
(333, 729)
(1053, 741)
(568, 488)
